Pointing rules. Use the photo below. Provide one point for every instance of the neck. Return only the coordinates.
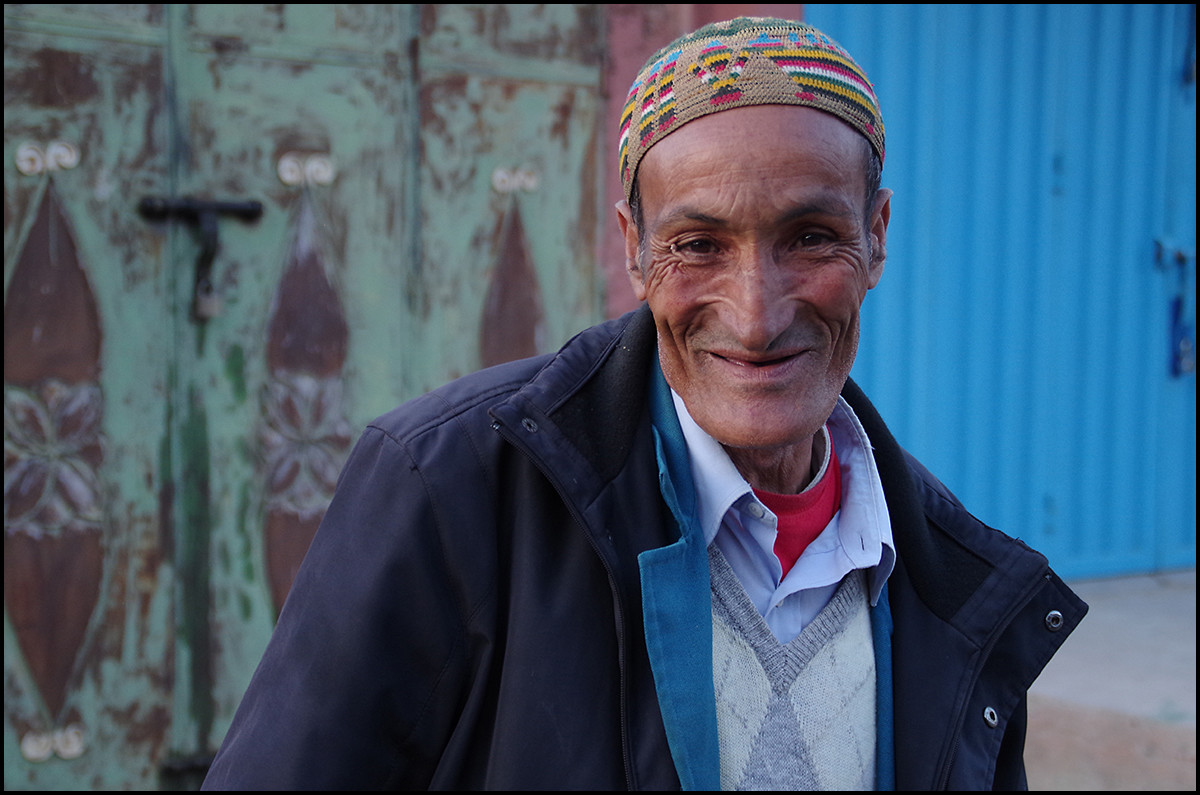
(788, 470)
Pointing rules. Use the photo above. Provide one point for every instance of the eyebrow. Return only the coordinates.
(687, 214)
(832, 207)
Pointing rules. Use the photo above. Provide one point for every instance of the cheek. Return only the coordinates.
(678, 316)
(838, 292)
(673, 356)
(671, 294)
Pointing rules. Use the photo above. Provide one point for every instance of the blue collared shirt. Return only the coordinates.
(858, 537)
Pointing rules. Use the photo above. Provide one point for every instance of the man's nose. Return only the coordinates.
(759, 305)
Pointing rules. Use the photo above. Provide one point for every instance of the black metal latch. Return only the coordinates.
(202, 215)
(1182, 309)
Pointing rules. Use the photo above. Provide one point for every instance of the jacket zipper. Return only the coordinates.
(618, 607)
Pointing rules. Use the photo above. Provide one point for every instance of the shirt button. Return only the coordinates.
(755, 510)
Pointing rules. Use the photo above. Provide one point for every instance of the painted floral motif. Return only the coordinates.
(52, 445)
(304, 441)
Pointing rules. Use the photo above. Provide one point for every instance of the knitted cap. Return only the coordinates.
(745, 61)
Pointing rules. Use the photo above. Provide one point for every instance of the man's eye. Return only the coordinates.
(812, 240)
(698, 247)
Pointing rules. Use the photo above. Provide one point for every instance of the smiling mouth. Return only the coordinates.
(758, 363)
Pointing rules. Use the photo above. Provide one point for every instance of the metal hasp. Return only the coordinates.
(203, 215)
(1182, 317)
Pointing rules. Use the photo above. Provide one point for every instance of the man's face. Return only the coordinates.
(758, 251)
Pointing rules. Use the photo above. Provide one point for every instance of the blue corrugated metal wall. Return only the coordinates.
(1021, 340)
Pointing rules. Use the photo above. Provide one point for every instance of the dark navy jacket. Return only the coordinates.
(470, 614)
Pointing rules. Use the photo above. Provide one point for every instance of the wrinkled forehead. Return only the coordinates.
(761, 161)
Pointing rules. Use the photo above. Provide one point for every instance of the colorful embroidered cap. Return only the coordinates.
(745, 61)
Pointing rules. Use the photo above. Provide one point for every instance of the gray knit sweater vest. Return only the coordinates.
(795, 716)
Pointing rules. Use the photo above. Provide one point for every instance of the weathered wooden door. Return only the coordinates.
(233, 234)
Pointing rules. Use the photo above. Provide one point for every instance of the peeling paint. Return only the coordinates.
(235, 371)
(54, 79)
(193, 561)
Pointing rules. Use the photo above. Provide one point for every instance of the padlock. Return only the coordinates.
(207, 302)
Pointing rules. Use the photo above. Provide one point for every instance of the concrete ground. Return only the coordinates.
(1116, 707)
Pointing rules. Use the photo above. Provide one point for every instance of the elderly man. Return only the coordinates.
(684, 550)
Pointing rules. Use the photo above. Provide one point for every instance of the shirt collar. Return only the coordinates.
(718, 483)
(720, 487)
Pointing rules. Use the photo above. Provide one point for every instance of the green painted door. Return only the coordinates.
(428, 204)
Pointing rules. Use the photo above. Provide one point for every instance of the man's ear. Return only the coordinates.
(629, 231)
(881, 216)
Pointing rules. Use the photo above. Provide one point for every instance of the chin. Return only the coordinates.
(747, 429)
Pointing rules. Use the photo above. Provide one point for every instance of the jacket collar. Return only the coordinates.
(594, 390)
(957, 585)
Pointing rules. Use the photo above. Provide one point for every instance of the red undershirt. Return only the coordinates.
(803, 516)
